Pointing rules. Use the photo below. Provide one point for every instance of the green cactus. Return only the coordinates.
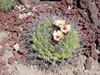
(46, 48)
(6, 5)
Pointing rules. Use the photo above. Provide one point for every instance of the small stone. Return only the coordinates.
(10, 60)
(69, 2)
(16, 55)
(88, 64)
(0, 67)
(16, 47)
(11, 21)
(5, 68)
(1, 53)
(5, 40)
(3, 62)
(10, 49)
(0, 73)
(11, 43)
(2, 15)
(7, 73)
(94, 54)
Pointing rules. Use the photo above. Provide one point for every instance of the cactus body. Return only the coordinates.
(48, 49)
(6, 5)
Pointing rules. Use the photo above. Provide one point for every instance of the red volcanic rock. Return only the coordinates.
(74, 11)
(1, 43)
(11, 21)
(0, 57)
(10, 15)
(86, 52)
(24, 26)
(26, 10)
(2, 16)
(9, 48)
(0, 67)
(93, 46)
(18, 21)
(36, 2)
(11, 43)
(17, 39)
(29, 19)
(1, 53)
(83, 21)
(14, 34)
(94, 54)
(15, 14)
(0, 73)
(99, 39)
(63, 2)
(67, 12)
(4, 67)
(5, 40)
(2, 27)
(3, 62)
(99, 26)
(11, 27)
(7, 73)
(16, 55)
(83, 3)
(69, 2)
(88, 64)
(10, 60)
(18, 30)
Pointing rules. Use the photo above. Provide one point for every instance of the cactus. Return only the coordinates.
(48, 49)
(6, 5)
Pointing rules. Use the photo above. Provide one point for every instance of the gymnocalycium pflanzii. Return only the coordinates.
(53, 40)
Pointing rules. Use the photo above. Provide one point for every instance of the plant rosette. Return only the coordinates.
(53, 45)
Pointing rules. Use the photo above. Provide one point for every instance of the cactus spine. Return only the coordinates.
(6, 5)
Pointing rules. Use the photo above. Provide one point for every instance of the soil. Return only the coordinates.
(84, 14)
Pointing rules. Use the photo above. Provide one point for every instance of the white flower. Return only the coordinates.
(57, 35)
(64, 29)
(59, 23)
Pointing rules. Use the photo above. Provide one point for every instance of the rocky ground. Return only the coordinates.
(85, 14)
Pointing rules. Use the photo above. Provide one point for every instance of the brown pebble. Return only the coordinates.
(94, 54)
(3, 62)
(88, 64)
(16, 55)
(0, 67)
(11, 60)
(7, 73)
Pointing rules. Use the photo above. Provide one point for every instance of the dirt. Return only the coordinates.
(76, 68)
(84, 14)
(3, 35)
